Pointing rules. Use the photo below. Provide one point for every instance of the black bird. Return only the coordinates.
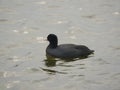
(66, 50)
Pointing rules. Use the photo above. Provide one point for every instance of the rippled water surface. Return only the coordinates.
(25, 23)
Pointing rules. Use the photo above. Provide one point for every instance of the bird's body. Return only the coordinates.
(66, 50)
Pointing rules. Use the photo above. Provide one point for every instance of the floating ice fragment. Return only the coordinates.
(72, 27)
(11, 84)
(62, 22)
(15, 58)
(16, 31)
(41, 39)
(73, 37)
(59, 22)
(80, 9)
(42, 2)
(5, 74)
(116, 13)
(25, 32)
(72, 32)
(16, 81)
(8, 85)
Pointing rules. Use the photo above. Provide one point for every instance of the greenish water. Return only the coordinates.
(25, 23)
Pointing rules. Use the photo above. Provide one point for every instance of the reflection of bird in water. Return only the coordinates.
(52, 71)
(50, 61)
(66, 51)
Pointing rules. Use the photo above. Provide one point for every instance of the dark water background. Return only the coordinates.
(24, 24)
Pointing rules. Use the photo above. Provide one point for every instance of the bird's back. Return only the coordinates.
(69, 51)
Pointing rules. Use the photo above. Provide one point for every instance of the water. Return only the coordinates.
(24, 24)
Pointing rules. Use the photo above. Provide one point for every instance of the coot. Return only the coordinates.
(65, 50)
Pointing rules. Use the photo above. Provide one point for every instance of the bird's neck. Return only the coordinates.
(53, 44)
